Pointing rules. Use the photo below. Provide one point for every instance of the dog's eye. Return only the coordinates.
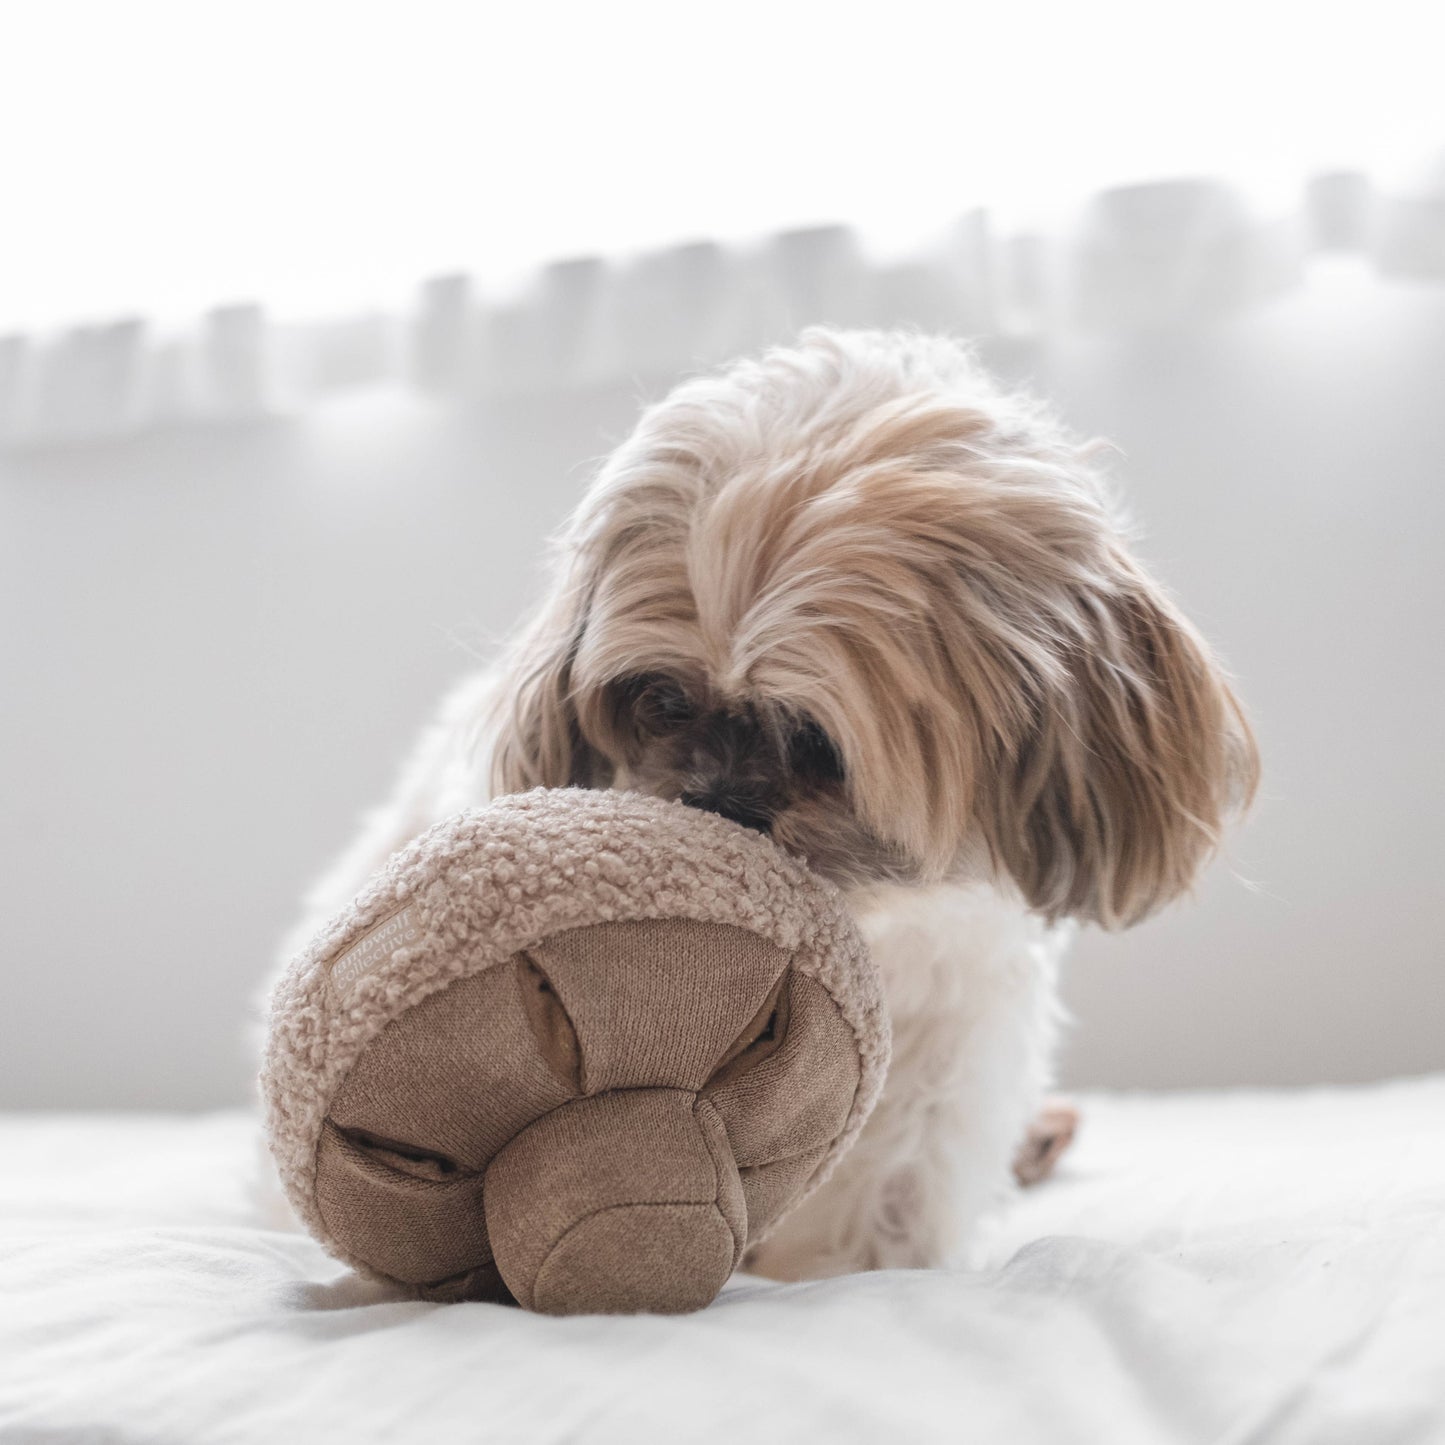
(658, 704)
(813, 755)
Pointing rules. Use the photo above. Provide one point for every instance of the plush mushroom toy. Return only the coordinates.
(579, 1049)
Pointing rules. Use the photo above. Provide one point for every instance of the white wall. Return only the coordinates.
(216, 643)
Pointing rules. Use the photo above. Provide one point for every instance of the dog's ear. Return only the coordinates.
(537, 738)
(1113, 795)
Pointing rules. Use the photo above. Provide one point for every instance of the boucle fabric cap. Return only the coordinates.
(577, 1048)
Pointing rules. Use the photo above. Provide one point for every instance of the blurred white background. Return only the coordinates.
(293, 385)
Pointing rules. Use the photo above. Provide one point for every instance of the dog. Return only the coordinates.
(856, 596)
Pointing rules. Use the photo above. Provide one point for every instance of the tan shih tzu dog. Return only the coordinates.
(854, 596)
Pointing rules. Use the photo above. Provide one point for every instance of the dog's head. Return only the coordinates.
(853, 595)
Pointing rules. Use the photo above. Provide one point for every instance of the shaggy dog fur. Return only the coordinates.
(853, 595)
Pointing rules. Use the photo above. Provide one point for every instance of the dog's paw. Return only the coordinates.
(1051, 1132)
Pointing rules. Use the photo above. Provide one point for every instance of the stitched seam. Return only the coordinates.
(710, 1146)
(787, 1158)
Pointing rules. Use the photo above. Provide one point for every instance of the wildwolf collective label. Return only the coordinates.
(374, 947)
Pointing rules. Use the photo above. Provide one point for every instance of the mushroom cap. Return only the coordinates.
(576, 1048)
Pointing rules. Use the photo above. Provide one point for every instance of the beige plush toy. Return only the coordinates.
(580, 1049)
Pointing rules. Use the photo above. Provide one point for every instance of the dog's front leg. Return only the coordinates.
(970, 983)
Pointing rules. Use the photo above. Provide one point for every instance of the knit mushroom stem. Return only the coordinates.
(617, 1203)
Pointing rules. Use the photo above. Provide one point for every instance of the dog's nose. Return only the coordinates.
(749, 812)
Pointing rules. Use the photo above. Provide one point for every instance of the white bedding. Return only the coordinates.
(1236, 1267)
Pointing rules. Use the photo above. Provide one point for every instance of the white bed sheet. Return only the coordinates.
(1237, 1267)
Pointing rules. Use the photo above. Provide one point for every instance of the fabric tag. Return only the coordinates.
(374, 948)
